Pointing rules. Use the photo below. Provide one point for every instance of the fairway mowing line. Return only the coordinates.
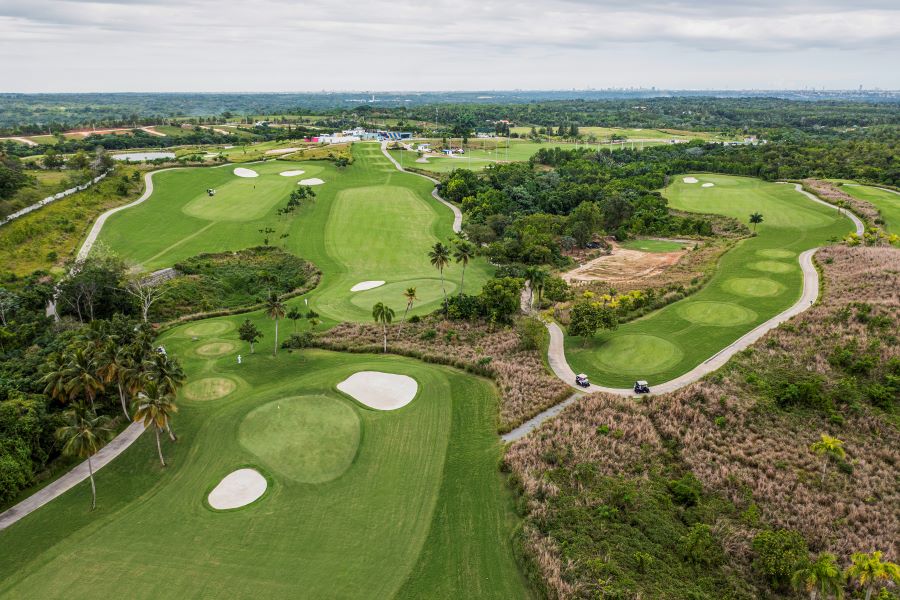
(181, 241)
(556, 352)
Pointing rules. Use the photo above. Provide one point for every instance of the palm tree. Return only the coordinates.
(532, 275)
(294, 315)
(275, 310)
(463, 253)
(440, 258)
(823, 577)
(55, 378)
(828, 448)
(114, 367)
(410, 295)
(168, 376)
(80, 373)
(539, 278)
(155, 407)
(83, 435)
(868, 570)
(755, 219)
(383, 314)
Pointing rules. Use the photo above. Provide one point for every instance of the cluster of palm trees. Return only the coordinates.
(440, 255)
(104, 357)
(823, 577)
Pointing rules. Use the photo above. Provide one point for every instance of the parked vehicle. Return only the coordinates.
(582, 380)
(641, 387)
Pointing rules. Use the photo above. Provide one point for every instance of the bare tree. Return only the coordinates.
(147, 290)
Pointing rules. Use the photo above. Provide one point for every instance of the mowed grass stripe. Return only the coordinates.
(756, 280)
(887, 203)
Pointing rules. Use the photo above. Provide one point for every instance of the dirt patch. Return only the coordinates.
(624, 265)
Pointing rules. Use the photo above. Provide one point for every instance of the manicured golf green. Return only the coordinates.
(887, 203)
(368, 222)
(756, 280)
(360, 503)
(654, 245)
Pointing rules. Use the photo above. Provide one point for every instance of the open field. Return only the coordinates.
(368, 222)
(360, 503)
(757, 279)
(655, 245)
(887, 203)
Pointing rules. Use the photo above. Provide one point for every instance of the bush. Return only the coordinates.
(778, 555)
(532, 333)
(686, 491)
(299, 340)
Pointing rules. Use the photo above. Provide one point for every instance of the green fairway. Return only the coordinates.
(756, 280)
(368, 222)
(887, 203)
(654, 245)
(360, 503)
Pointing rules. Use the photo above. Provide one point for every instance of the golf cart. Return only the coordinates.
(582, 380)
(641, 387)
(211, 192)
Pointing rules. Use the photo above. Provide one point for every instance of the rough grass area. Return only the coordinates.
(47, 237)
(526, 388)
(228, 280)
(603, 511)
(885, 200)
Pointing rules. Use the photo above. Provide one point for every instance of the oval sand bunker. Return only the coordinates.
(366, 285)
(237, 489)
(291, 173)
(313, 181)
(690, 180)
(242, 172)
(383, 391)
(707, 185)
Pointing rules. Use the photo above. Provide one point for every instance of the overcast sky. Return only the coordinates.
(312, 45)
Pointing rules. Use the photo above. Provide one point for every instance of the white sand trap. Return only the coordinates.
(366, 285)
(237, 489)
(277, 151)
(384, 391)
(242, 172)
(422, 160)
(707, 185)
(690, 180)
(313, 181)
(292, 173)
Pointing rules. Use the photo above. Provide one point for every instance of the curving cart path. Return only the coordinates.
(457, 214)
(556, 354)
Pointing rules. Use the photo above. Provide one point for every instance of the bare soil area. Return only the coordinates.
(623, 265)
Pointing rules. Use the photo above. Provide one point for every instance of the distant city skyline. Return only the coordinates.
(466, 45)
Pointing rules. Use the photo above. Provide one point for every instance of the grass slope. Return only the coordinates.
(887, 203)
(756, 280)
(368, 222)
(405, 503)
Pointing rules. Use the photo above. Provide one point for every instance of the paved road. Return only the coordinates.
(556, 354)
(73, 477)
(457, 214)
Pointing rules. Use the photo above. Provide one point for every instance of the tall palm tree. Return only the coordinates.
(80, 373)
(168, 376)
(463, 253)
(538, 279)
(755, 219)
(83, 434)
(868, 570)
(410, 295)
(383, 314)
(54, 378)
(275, 310)
(154, 407)
(440, 258)
(115, 361)
(823, 577)
(828, 448)
(531, 274)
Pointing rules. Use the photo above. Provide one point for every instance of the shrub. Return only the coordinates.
(686, 490)
(532, 333)
(778, 555)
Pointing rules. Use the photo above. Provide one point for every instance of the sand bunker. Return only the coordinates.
(690, 180)
(237, 489)
(242, 172)
(383, 391)
(624, 265)
(313, 181)
(707, 185)
(292, 173)
(277, 151)
(366, 285)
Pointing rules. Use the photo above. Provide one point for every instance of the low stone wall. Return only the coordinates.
(53, 198)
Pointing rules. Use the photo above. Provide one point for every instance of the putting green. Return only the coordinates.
(771, 266)
(205, 328)
(776, 253)
(369, 222)
(753, 286)
(215, 349)
(715, 313)
(209, 388)
(737, 297)
(311, 439)
(638, 354)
